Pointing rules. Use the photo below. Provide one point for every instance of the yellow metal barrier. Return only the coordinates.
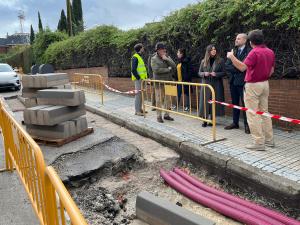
(22, 153)
(166, 96)
(65, 203)
(92, 83)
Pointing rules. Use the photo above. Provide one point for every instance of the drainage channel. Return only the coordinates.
(106, 177)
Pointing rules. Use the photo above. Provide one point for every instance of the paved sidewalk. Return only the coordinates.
(283, 161)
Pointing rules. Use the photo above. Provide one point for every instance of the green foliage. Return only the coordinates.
(42, 42)
(20, 56)
(62, 24)
(91, 48)
(69, 18)
(40, 23)
(32, 35)
(193, 28)
(77, 16)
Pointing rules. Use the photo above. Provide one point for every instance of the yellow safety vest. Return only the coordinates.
(141, 69)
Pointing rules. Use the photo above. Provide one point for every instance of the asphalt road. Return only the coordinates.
(15, 206)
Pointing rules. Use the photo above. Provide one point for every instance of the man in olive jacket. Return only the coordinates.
(163, 68)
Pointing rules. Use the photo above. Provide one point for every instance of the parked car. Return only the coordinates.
(9, 78)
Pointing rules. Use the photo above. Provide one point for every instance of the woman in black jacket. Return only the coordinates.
(184, 75)
(212, 71)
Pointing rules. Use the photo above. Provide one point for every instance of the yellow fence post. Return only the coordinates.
(4, 127)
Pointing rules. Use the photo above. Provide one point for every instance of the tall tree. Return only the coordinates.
(77, 15)
(32, 35)
(40, 23)
(69, 18)
(62, 24)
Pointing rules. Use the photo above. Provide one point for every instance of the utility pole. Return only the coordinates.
(69, 15)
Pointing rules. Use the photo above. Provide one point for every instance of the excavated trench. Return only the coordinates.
(107, 195)
(104, 174)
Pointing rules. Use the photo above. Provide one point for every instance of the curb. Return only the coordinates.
(245, 176)
(154, 210)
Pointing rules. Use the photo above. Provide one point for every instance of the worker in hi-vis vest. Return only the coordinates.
(138, 73)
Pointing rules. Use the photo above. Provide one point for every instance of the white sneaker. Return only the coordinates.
(186, 109)
(173, 107)
(256, 147)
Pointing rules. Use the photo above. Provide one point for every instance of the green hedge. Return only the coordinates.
(193, 27)
(19, 57)
(42, 42)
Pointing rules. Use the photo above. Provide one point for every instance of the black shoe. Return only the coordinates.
(168, 118)
(204, 124)
(153, 109)
(160, 120)
(232, 126)
(247, 129)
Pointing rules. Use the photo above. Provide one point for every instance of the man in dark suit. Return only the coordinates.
(236, 81)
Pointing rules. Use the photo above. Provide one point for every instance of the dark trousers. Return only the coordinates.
(186, 94)
(237, 96)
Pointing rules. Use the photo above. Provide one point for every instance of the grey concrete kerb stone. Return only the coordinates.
(154, 210)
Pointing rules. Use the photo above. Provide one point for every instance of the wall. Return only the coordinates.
(284, 94)
(3, 50)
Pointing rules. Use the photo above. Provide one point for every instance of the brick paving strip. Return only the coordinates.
(274, 173)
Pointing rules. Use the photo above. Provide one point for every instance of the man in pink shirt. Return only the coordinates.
(259, 66)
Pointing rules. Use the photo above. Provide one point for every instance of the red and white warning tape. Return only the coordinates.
(122, 92)
(278, 117)
(112, 89)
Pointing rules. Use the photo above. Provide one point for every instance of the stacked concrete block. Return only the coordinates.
(45, 80)
(60, 131)
(33, 83)
(80, 124)
(53, 109)
(47, 115)
(60, 97)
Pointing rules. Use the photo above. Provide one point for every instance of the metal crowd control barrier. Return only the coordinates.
(161, 95)
(41, 183)
(92, 83)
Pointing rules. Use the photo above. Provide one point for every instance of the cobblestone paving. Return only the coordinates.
(284, 160)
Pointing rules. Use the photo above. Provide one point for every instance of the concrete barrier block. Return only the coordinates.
(72, 128)
(56, 132)
(64, 86)
(45, 80)
(67, 86)
(53, 115)
(65, 97)
(30, 114)
(80, 124)
(157, 211)
(30, 102)
(84, 124)
(29, 92)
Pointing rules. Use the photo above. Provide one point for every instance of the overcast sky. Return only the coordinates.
(122, 13)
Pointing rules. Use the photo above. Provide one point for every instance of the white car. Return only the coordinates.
(9, 78)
